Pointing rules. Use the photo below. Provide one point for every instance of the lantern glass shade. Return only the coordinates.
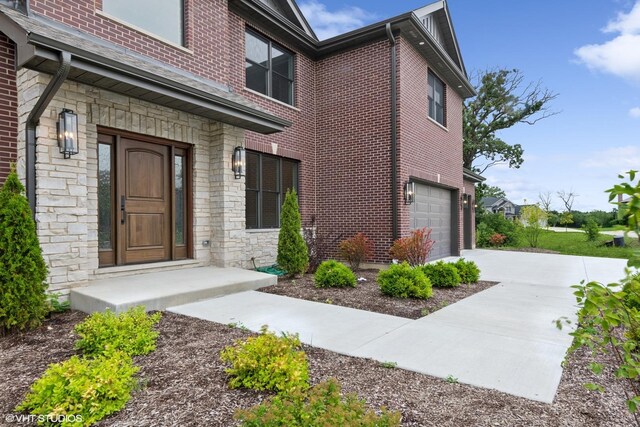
(409, 192)
(68, 133)
(239, 162)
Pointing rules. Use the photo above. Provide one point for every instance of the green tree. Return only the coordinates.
(566, 218)
(629, 209)
(292, 251)
(503, 100)
(23, 272)
(534, 218)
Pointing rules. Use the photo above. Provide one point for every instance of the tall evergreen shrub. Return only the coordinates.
(23, 272)
(292, 251)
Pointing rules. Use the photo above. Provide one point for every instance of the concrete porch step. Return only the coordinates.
(159, 290)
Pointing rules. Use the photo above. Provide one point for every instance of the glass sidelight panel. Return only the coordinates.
(179, 165)
(105, 192)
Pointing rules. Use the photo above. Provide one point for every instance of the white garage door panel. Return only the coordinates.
(432, 208)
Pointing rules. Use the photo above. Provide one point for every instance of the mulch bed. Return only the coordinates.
(367, 295)
(184, 383)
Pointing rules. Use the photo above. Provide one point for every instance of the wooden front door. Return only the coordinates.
(144, 177)
(144, 200)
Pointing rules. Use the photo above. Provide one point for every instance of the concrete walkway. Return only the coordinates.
(502, 338)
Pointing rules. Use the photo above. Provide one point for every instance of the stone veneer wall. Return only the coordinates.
(67, 205)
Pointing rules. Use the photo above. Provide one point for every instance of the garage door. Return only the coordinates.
(432, 208)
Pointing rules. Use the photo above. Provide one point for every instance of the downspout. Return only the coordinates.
(394, 133)
(34, 118)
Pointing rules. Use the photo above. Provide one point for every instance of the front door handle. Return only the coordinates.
(123, 212)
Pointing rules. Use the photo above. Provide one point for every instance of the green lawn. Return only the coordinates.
(576, 244)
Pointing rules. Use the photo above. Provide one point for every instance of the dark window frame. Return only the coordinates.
(183, 24)
(270, 71)
(259, 191)
(433, 107)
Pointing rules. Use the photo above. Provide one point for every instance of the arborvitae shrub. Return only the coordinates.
(442, 275)
(23, 273)
(334, 274)
(292, 250)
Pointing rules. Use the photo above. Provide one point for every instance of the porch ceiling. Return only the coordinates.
(98, 63)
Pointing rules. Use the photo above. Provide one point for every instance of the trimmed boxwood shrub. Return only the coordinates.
(23, 273)
(130, 332)
(404, 281)
(85, 387)
(442, 274)
(468, 271)
(323, 405)
(334, 274)
(267, 362)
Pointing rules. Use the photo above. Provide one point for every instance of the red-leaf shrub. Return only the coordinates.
(356, 250)
(413, 249)
(497, 239)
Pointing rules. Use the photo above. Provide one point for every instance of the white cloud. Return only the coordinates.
(616, 158)
(327, 24)
(635, 112)
(621, 55)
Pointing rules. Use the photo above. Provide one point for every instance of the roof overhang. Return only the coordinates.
(131, 75)
(470, 175)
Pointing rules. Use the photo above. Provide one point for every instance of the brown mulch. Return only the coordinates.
(367, 295)
(184, 383)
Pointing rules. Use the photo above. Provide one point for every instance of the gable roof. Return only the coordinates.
(289, 9)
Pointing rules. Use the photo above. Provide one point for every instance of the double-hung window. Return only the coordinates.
(268, 68)
(164, 18)
(437, 99)
(268, 179)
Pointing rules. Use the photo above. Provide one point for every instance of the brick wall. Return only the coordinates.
(428, 151)
(354, 134)
(8, 107)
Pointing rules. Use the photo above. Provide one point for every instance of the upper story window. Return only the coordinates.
(164, 18)
(268, 68)
(436, 99)
(268, 179)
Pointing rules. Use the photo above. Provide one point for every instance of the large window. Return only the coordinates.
(437, 99)
(268, 179)
(164, 18)
(268, 68)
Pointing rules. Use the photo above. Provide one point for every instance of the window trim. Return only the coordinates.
(259, 191)
(430, 74)
(270, 44)
(183, 19)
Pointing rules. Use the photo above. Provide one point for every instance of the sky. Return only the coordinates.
(586, 51)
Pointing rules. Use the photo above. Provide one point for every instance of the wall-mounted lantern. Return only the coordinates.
(68, 133)
(239, 162)
(409, 192)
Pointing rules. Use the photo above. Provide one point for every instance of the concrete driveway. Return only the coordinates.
(502, 338)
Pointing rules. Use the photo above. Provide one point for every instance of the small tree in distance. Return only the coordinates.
(292, 250)
(534, 218)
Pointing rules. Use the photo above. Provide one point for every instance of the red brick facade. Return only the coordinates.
(341, 128)
(8, 107)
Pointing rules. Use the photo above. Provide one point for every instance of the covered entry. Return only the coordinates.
(143, 199)
(433, 208)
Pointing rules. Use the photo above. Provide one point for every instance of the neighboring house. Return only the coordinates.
(163, 100)
(500, 205)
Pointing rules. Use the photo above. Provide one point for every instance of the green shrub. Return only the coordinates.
(415, 248)
(591, 229)
(498, 224)
(292, 250)
(404, 281)
(468, 271)
(483, 234)
(267, 362)
(442, 274)
(356, 250)
(322, 405)
(631, 291)
(85, 387)
(130, 332)
(23, 273)
(333, 274)
(55, 305)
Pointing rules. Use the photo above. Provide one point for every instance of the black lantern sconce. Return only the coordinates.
(68, 133)
(409, 192)
(239, 162)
